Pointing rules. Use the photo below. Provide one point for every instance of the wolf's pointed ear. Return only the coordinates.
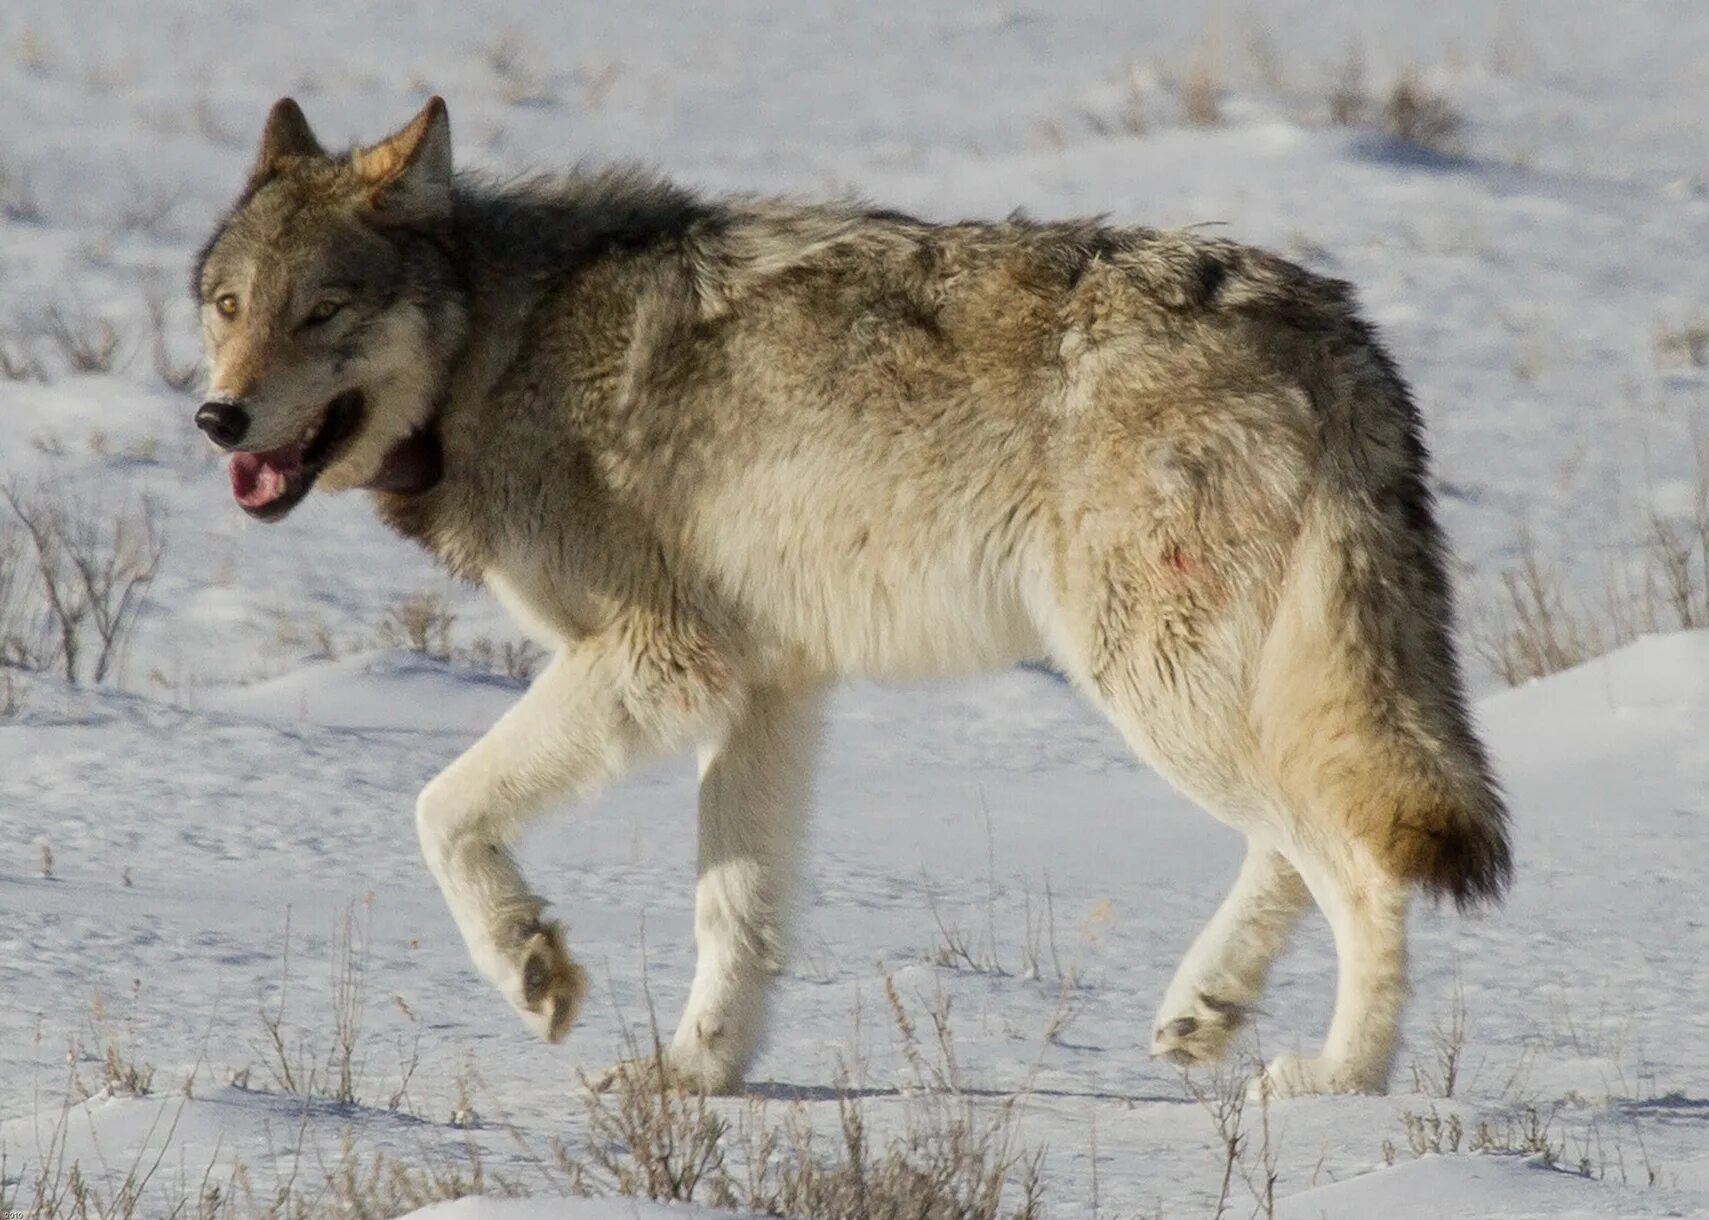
(409, 174)
(286, 136)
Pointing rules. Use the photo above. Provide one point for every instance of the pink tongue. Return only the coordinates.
(258, 479)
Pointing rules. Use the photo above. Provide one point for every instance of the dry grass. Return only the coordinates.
(1689, 343)
(1416, 115)
(350, 1186)
(1538, 626)
(18, 361)
(951, 1159)
(25, 642)
(515, 659)
(423, 622)
(147, 210)
(1349, 99)
(19, 202)
(520, 81)
(1440, 1076)
(1529, 1132)
(1201, 89)
(1224, 1098)
(294, 1057)
(120, 1071)
(12, 697)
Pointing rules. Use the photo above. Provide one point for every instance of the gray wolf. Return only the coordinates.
(720, 454)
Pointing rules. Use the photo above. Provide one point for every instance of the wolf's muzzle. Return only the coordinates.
(224, 422)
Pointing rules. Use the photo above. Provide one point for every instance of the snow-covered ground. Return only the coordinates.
(238, 789)
(185, 843)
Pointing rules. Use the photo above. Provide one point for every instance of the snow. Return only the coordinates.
(1583, 999)
(1437, 1186)
(241, 791)
(387, 689)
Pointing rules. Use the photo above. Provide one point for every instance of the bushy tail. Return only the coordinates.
(1359, 702)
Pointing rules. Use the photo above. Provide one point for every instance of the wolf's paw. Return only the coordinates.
(709, 1080)
(1198, 1032)
(552, 986)
(1297, 1076)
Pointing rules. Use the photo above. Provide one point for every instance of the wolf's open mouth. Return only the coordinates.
(269, 485)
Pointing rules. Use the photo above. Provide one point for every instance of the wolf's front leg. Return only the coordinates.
(569, 733)
(754, 784)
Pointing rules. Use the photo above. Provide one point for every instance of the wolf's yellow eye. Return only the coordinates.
(226, 303)
(324, 310)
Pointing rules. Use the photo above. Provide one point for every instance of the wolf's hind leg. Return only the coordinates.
(1219, 981)
(1366, 909)
(567, 735)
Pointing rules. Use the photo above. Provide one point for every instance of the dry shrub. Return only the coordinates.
(92, 573)
(1224, 1097)
(348, 1187)
(88, 343)
(1540, 628)
(1418, 116)
(19, 363)
(650, 1139)
(647, 1138)
(25, 639)
(1349, 100)
(420, 623)
(1200, 84)
(1441, 1076)
(122, 1073)
(1428, 1135)
(1539, 631)
(380, 1187)
(147, 209)
(949, 1164)
(292, 1055)
(1678, 579)
(520, 81)
(515, 659)
(1689, 343)
(1201, 94)
(19, 202)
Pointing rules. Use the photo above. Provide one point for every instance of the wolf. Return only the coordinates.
(721, 453)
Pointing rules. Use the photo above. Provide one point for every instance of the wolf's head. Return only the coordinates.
(330, 310)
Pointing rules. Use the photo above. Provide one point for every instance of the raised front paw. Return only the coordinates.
(551, 986)
(1196, 1032)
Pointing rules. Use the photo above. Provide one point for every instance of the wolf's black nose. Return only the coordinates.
(224, 422)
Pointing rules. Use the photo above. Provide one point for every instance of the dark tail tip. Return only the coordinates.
(1456, 852)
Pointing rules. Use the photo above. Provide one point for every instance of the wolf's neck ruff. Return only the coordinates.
(413, 466)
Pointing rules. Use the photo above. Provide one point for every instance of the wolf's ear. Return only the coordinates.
(409, 174)
(285, 136)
